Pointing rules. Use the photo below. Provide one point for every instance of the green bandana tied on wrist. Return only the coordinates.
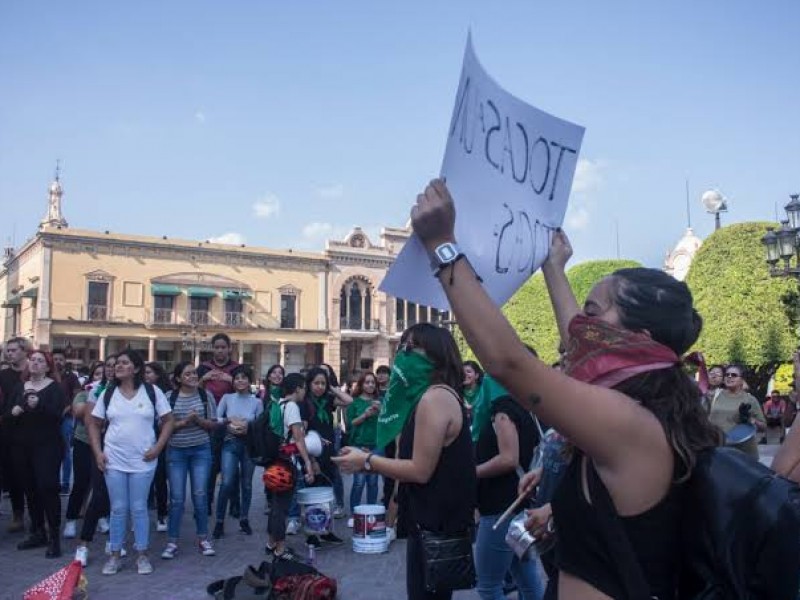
(411, 376)
(490, 391)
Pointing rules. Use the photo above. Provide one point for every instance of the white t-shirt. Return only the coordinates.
(291, 415)
(130, 429)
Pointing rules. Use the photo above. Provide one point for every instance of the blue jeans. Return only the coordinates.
(493, 559)
(235, 463)
(128, 494)
(196, 462)
(67, 423)
(370, 480)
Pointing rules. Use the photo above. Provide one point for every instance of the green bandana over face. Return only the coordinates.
(490, 391)
(411, 376)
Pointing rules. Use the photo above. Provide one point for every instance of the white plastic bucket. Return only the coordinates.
(317, 509)
(314, 444)
(369, 529)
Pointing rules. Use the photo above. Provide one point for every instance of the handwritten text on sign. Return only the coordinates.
(509, 167)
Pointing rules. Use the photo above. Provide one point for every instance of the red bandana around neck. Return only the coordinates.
(603, 354)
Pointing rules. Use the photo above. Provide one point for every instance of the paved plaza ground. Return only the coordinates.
(360, 576)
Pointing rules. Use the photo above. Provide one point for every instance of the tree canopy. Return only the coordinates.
(743, 308)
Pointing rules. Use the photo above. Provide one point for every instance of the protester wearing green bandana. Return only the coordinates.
(435, 464)
(473, 376)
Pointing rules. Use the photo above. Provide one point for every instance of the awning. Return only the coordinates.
(14, 300)
(31, 293)
(163, 289)
(236, 294)
(202, 292)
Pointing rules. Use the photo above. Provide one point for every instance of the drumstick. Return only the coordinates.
(510, 510)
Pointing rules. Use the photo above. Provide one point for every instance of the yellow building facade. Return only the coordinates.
(97, 293)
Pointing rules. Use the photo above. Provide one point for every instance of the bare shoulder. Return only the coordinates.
(440, 399)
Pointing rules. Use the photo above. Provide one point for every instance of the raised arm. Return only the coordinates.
(565, 306)
(611, 428)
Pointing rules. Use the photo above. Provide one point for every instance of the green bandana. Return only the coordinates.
(490, 391)
(275, 392)
(411, 376)
(275, 417)
(322, 413)
(470, 395)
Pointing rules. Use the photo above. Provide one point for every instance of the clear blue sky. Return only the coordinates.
(197, 119)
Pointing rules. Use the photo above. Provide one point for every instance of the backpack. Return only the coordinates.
(263, 442)
(151, 393)
(742, 536)
(740, 532)
(173, 397)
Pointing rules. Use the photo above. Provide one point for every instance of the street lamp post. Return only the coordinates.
(194, 340)
(783, 244)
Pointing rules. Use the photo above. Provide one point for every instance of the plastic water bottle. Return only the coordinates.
(312, 555)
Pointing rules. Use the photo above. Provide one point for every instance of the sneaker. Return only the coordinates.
(244, 527)
(287, 554)
(313, 540)
(219, 530)
(391, 534)
(170, 551)
(293, 527)
(206, 549)
(143, 566)
(102, 525)
(338, 512)
(350, 522)
(112, 566)
(122, 552)
(70, 529)
(332, 539)
(161, 526)
(82, 555)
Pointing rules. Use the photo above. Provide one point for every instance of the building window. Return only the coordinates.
(234, 312)
(411, 314)
(98, 301)
(355, 307)
(198, 310)
(164, 309)
(400, 315)
(288, 311)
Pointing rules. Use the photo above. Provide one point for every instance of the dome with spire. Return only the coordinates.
(679, 259)
(54, 216)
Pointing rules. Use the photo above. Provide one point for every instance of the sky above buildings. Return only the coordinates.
(283, 124)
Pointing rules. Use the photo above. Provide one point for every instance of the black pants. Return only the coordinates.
(82, 478)
(159, 488)
(39, 471)
(11, 482)
(415, 578)
(99, 505)
(279, 508)
(388, 484)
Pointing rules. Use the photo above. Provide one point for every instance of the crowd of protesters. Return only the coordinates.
(454, 445)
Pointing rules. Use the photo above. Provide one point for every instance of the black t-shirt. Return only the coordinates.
(39, 426)
(9, 380)
(496, 493)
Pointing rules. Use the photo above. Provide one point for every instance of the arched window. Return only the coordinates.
(368, 308)
(356, 315)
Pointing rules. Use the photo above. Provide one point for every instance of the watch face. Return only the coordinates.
(446, 252)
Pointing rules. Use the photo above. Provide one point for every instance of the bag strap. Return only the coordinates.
(628, 567)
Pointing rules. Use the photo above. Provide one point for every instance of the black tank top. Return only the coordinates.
(586, 550)
(446, 504)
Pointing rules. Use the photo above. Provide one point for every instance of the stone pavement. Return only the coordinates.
(359, 576)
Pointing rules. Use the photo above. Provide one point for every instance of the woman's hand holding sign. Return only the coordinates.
(433, 217)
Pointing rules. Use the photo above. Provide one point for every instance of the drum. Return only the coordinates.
(740, 435)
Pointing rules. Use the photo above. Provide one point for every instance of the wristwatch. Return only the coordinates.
(367, 463)
(445, 254)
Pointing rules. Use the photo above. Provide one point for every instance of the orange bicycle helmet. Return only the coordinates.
(279, 477)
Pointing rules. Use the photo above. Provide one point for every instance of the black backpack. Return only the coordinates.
(742, 530)
(173, 397)
(263, 444)
(151, 393)
(740, 533)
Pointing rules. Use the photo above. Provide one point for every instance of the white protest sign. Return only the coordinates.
(509, 167)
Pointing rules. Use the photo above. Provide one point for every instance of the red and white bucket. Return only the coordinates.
(369, 529)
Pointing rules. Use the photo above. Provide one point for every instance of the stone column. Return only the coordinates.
(241, 351)
(102, 352)
(151, 350)
(282, 353)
